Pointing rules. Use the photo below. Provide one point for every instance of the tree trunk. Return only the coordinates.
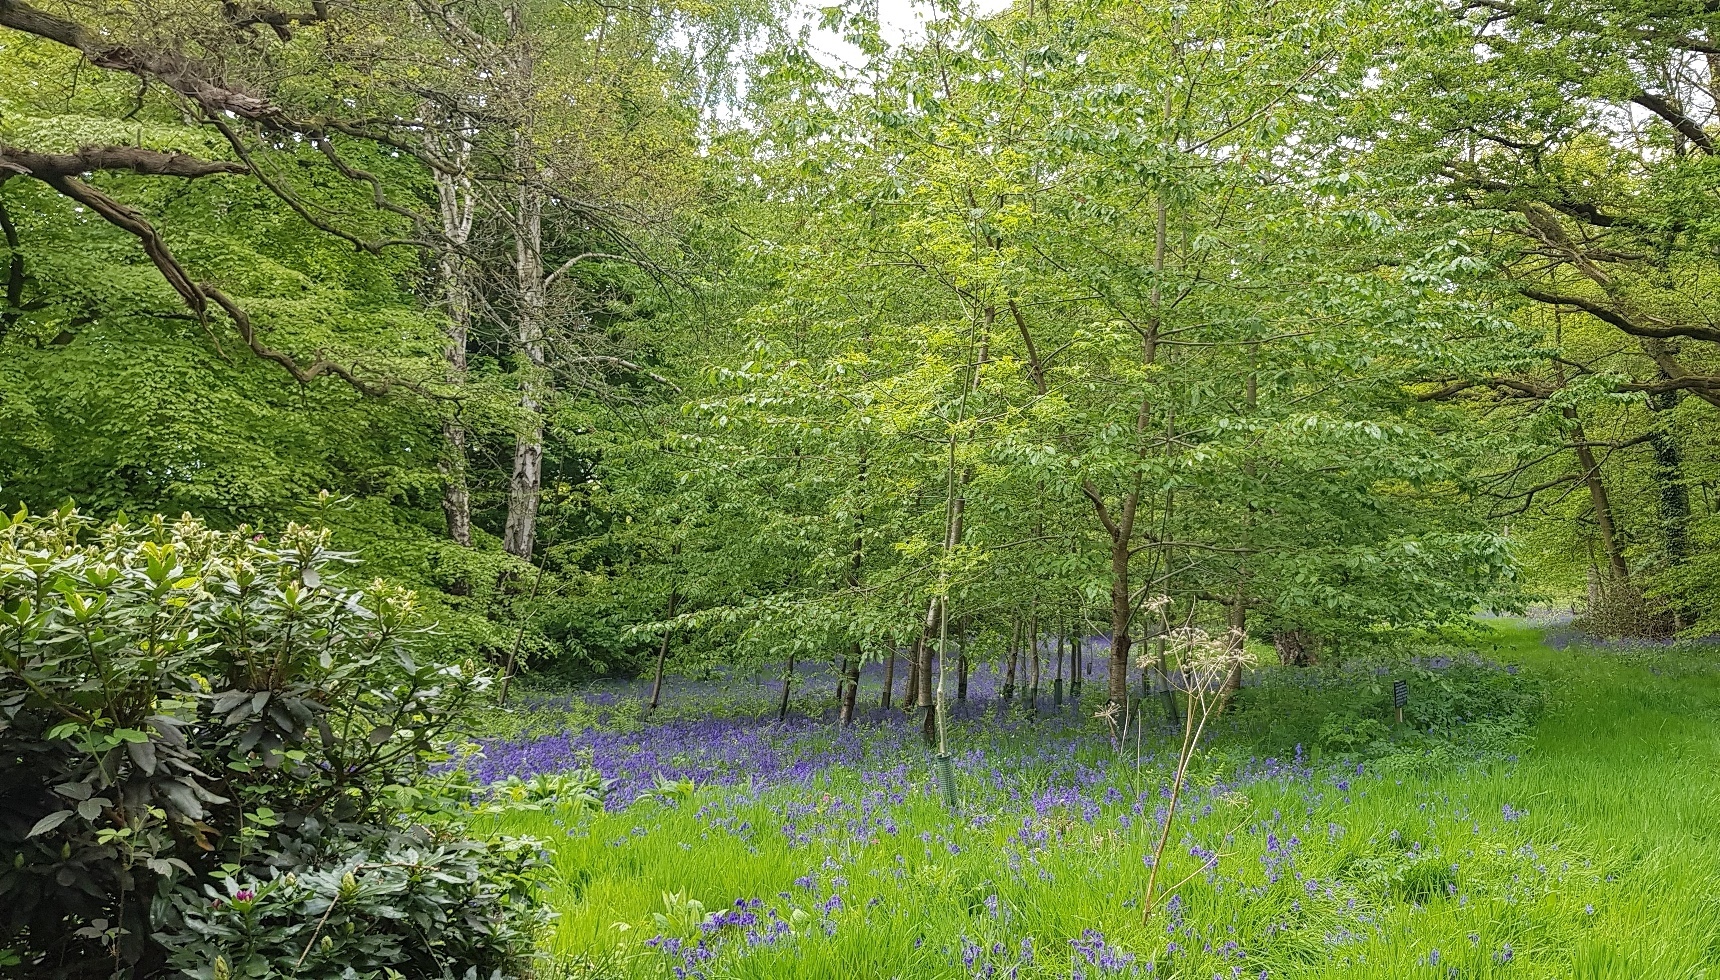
(1296, 648)
(1033, 686)
(928, 659)
(1170, 695)
(457, 203)
(1057, 673)
(1009, 669)
(1075, 669)
(526, 484)
(938, 613)
(1122, 528)
(852, 689)
(848, 689)
(1233, 680)
(15, 280)
(1599, 501)
(663, 647)
(911, 685)
(1121, 609)
(842, 681)
(961, 671)
(1669, 479)
(787, 683)
(889, 677)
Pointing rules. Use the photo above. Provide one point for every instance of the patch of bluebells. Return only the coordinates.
(1278, 855)
(1072, 795)
(751, 750)
(747, 921)
(1095, 957)
(1001, 961)
(748, 753)
(687, 961)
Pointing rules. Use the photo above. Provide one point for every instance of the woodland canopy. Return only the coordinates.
(638, 334)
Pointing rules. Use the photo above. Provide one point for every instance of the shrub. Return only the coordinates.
(1456, 697)
(186, 714)
(411, 903)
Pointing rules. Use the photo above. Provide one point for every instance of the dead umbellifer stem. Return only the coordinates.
(1189, 736)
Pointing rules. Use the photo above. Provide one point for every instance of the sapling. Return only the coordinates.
(1205, 661)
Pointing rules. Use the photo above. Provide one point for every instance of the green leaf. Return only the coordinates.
(48, 823)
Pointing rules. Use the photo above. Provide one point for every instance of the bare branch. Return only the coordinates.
(623, 364)
(291, 199)
(1035, 367)
(581, 257)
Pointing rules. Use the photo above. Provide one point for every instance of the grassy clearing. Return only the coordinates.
(1595, 853)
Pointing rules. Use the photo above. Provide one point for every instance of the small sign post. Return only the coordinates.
(1400, 697)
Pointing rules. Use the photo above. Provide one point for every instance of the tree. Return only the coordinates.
(1575, 132)
(1054, 199)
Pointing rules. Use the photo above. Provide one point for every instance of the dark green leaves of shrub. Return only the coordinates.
(183, 709)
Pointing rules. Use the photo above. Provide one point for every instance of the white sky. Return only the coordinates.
(898, 20)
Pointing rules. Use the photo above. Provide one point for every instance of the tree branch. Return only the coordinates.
(304, 374)
(581, 257)
(200, 83)
(291, 200)
(1684, 42)
(154, 163)
(252, 15)
(1035, 367)
(1686, 126)
(1609, 315)
(1099, 508)
(1517, 386)
(128, 220)
(176, 74)
(198, 295)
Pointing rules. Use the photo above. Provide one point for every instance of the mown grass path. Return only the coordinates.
(1595, 853)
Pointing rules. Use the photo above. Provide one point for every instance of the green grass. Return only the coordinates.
(1613, 871)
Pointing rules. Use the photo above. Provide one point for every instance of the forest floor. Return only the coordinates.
(1579, 837)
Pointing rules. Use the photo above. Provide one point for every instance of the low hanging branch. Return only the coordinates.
(160, 66)
(304, 374)
(218, 100)
(128, 220)
(58, 170)
(204, 85)
(153, 163)
(300, 208)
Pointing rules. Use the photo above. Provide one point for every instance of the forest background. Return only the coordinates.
(638, 336)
